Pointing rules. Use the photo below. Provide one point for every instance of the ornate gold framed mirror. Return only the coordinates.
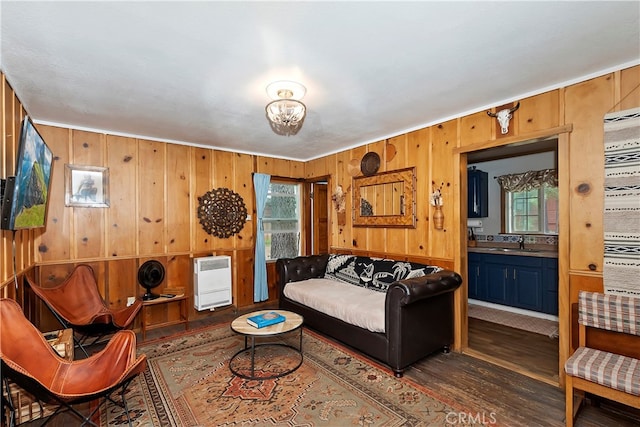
(387, 199)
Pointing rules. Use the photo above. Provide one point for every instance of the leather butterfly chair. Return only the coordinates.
(77, 304)
(30, 361)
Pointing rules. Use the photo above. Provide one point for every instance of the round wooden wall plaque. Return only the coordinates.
(222, 212)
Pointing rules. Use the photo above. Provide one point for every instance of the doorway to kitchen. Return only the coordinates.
(512, 259)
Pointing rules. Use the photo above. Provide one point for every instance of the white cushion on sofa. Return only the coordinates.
(352, 304)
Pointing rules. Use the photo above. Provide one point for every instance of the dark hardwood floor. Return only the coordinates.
(512, 399)
(492, 393)
(520, 350)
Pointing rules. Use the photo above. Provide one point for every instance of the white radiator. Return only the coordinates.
(211, 282)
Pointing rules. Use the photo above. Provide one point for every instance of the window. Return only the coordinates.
(532, 211)
(281, 221)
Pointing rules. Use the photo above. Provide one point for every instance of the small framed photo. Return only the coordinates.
(86, 186)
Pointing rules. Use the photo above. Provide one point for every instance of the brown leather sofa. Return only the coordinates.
(418, 314)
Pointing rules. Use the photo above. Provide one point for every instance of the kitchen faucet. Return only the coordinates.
(521, 241)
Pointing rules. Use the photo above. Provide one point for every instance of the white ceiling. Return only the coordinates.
(196, 72)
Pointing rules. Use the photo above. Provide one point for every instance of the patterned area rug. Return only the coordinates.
(188, 383)
(622, 203)
(515, 320)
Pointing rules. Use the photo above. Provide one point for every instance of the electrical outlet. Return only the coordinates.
(248, 217)
(130, 301)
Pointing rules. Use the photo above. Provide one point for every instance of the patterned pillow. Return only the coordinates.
(373, 273)
(386, 272)
(342, 268)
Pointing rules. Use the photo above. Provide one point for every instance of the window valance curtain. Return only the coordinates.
(528, 180)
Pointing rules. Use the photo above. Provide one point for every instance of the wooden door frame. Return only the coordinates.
(461, 299)
(306, 212)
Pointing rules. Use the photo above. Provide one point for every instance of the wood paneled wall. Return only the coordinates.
(154, 191)
(432, 151)
(155, 185)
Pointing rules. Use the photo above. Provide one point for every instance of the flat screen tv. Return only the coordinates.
(26, 197)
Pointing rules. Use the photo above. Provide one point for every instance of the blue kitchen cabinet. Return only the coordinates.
(530, 283)
(550, 286)
(498, 280)
(527, 285)
(477, 283)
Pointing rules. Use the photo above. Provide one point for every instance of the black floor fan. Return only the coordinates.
(150, 275)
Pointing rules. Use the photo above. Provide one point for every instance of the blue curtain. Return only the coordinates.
(260, 287)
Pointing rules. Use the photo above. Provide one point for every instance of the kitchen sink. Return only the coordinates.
(513, 250)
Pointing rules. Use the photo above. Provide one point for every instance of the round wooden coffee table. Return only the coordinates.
(240, 326)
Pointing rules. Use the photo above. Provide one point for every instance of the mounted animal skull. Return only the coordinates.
(504, 116)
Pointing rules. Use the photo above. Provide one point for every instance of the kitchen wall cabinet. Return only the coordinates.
(529, 283)
(478, 193)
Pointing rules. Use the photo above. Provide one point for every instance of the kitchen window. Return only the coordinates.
(531, 202)
(532, 211)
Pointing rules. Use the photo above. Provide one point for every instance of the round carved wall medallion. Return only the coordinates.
(222, 212)
(370, 163)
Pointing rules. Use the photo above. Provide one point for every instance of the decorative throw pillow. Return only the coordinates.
(342, 268)
(379, 274)
(386, 272)
(373, 273)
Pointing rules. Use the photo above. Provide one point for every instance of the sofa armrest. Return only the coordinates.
(415, 289)
(419, 316)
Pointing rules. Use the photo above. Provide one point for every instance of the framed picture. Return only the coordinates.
(86, 186)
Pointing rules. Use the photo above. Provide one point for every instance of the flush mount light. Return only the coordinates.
(286, 113)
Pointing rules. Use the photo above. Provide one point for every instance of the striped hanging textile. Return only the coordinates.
(621, 271)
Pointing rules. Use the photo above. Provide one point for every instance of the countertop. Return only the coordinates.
(533, 252)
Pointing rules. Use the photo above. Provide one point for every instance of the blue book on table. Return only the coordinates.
(266, 319)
